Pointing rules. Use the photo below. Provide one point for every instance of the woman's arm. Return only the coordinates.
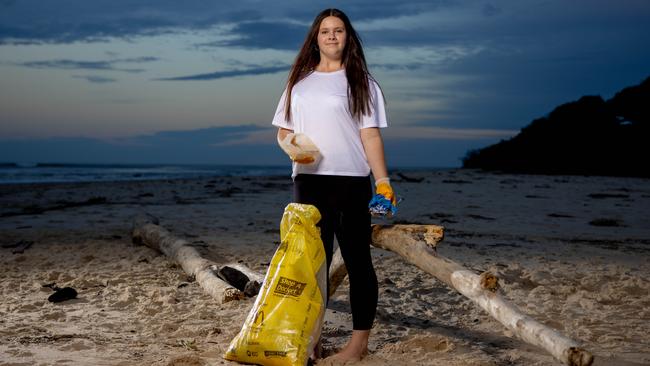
(282, 133)
(374, 148)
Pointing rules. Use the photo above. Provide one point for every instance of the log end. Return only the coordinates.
(138, 223)
(489, 281)
(145, 218)
(232, 294)
(577, 356)
(430, 235)
(433, 235)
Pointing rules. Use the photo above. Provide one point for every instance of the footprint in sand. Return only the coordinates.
(76, 346)
(419, 345)
(187, 360)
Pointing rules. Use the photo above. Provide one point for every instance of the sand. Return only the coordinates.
(573, 252)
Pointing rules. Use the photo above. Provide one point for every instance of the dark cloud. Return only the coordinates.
(86, 31)
(205, 146)
(95, 79)
(268, 35)
(88, 65)
(287, 36)
(507, 88)
(204, 136)
(490, 10)
(187, 147)
(411, 66)
(362, 10)
(229, 74)
(34, 21)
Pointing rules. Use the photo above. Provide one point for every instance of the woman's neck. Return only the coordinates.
(329, 66)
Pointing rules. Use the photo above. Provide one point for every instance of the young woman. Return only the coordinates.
(332, 99)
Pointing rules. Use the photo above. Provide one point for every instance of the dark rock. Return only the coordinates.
(19, 247)
(228, 192)
(456, 181)
(605, 222)
(61, 205)
(63, 294)
(608, 195)
(409, 179)
(479, 217)
(252, 288)
(559, 215)
(234, 277)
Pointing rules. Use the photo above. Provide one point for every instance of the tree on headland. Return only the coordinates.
(589, 136)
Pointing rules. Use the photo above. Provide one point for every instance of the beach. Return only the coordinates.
(573, 252)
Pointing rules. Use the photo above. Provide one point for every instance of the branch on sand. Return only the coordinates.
(146, 231)
(417, 245)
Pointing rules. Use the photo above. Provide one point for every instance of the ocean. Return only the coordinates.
(13, 173)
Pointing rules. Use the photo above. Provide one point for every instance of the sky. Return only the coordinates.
(198, 82)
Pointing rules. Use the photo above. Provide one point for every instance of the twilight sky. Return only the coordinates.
(164, 81)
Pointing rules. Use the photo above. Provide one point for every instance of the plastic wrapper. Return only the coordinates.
(380, 206)
(300, 148)
(285, 322)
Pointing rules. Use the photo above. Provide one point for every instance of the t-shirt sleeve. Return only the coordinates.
(377, 117)
(279, 118)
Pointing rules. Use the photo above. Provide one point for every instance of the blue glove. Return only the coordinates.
(380, 206)
(384, 202)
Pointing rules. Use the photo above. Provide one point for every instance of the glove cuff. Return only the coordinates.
(382, 180)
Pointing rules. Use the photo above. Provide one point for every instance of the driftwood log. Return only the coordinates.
(417, 244)
(147, 232)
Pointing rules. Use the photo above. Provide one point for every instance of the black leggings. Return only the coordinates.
(343, 205)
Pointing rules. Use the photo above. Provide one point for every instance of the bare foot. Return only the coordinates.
(356, 349)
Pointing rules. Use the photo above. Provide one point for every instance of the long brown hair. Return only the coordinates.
(353, 60)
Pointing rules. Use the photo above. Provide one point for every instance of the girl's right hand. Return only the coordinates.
(299, 148)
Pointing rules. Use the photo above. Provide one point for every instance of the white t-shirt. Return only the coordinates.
(319, 109)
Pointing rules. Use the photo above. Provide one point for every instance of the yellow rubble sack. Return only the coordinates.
(285, 322)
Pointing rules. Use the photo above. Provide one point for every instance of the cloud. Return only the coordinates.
(205, 136)
(261, 136)
(283, 25)
(88, 65)
(490, 10)
(34, 21)
(201, 146)
(251, 145)
(95, 79)
(83, 30)
(445, 133)
(264, 34)
(230, 73)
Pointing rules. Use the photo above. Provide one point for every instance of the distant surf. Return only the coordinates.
(13, 173)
